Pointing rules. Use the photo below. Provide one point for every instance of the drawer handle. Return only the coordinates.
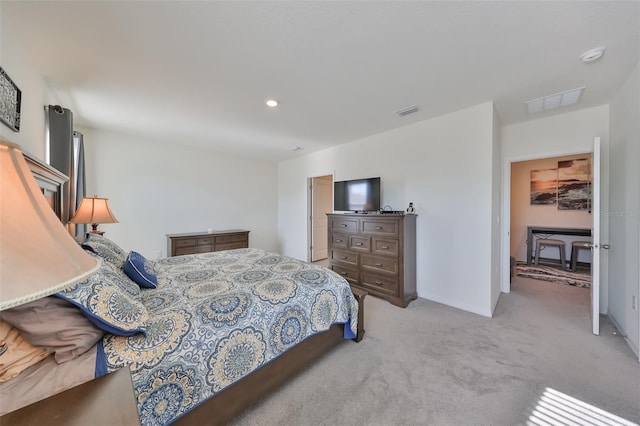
(338, 241)
(385, 247)
(379, 265)
(344, 257)
(378, 228)
(377, 283)
(344, 225)
(345, 274)
(358, 244)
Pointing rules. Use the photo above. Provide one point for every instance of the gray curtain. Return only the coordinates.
(66, 153)
(77, 183)
(59, 131)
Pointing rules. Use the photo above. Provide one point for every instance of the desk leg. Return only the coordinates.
(529, 245)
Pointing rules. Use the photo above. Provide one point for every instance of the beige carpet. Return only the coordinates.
(432, 364)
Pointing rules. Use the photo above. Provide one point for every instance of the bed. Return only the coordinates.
(211, 335)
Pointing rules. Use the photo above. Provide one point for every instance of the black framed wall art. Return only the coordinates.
(10, 98)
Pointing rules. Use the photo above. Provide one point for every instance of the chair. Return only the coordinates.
(548, 242)
(576, 246)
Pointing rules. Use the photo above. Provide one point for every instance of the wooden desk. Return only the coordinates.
(546, 230)
(108, 400)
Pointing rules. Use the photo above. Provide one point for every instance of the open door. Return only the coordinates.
(321, 204)
(595, 238)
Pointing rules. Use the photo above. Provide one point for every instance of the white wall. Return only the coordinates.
(558, 135)
(496, 213)
(34, 93)
(624, 210)
(442, 165)
(524, 214)
(156, 189)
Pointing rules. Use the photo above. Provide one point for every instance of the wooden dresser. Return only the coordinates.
(376, 253)
(204, 242)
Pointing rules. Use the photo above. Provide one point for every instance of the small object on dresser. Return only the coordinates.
(411, 209)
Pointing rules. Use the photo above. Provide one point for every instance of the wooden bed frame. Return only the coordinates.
(234, 400)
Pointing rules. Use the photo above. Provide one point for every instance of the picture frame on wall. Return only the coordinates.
(574, 184)
(544, 187)
(10, 100)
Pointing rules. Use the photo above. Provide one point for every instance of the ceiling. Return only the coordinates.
(199, 73)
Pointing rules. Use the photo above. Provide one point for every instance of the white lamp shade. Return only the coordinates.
(38, 257)
(94, 210)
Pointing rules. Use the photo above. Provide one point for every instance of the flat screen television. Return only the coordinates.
(358, 195)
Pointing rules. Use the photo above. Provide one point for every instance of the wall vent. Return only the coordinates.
(408, 110)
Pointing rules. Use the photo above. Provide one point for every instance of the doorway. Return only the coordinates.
(515, 236)
(550, 199)
(320, 202)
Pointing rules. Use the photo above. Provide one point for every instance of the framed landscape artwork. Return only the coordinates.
(10, 98)
(544, 186)
(574, 184)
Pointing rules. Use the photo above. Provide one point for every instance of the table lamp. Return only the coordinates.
(94, 211)
(38, 257)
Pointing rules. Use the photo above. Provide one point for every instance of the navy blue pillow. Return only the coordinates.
(140, 270)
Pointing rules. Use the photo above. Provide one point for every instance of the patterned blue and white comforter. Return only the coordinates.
(216, 317)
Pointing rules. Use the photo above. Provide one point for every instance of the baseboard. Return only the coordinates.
(457, 304)
(633, 347)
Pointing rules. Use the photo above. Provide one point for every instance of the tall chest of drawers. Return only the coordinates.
(376, 253)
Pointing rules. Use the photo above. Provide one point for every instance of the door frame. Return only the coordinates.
(310, 212)
(505, 282)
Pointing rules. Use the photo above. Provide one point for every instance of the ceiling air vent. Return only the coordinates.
(408, 110)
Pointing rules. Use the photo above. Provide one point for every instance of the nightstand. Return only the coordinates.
(108, 400)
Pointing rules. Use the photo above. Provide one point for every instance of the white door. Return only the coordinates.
(595, 238)
(321, 204)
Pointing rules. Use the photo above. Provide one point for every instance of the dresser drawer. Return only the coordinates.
(185, 243)
(339, 241)
(231, 246)
(351, 275)
(344, 256)
(344, 225)
(360, 243)
(204, 241)
(379, 283)
(193, 250)
(381, 264)
(380, 246)
(230, 238)
(380, 227)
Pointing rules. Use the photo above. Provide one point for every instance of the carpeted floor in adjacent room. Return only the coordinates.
(437, 365)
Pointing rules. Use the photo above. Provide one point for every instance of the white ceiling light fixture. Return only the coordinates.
(592, 55)
(271, 103)
(556, 100)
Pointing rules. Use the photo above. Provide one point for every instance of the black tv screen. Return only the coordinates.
(357, 195)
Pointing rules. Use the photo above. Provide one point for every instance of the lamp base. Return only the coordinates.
(94, 229)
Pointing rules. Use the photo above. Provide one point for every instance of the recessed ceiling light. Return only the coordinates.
(271, 103)
(554, 101)
(592, 55)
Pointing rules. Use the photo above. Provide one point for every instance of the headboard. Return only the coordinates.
(50, 181)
